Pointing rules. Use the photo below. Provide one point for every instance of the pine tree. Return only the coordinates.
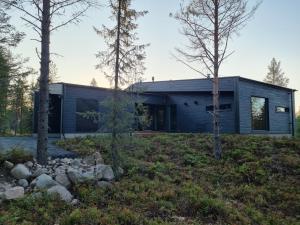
(94, 83)
(124, 59)
(276, 75)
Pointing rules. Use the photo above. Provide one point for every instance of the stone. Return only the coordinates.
(62, 192)
(43, 181)
(23, 183)
(93, 159)
(104, 184)
(8, 165)
(29, 164)
(108, 174)
(75, 202)
(77, 176)
(60, 169)
(4, 186)
(20, 171)
(13, 193)
(66, 160)
(62, 178)
(76, 163)
(39, 171)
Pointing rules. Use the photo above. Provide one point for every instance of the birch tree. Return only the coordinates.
(45, 17)
(122, 60)
(208, 26)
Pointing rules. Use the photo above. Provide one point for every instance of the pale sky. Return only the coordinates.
(273, 32)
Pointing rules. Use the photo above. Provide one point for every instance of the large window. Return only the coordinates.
(82, 106)
(259, 113)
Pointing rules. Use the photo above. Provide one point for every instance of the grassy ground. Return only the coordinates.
(174, 179)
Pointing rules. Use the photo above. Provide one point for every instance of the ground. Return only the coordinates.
(29, 145)
(174, 179)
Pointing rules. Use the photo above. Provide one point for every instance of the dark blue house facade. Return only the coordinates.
(246, 107)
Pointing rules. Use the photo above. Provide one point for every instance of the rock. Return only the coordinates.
(75, 202)
(108, 174)
(20, 171)
(4, 186)
(62, 192)
(120, 171)
(29, 164)
(94, 159)
(60, 169)
(8, 165)
(76, 163)
(62, 178)
(13, 193)
(104, 184)
(77, 176)
(66, 160)
(39, 171)
(43, 182)
(23, 183)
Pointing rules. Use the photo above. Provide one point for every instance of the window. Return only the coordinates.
(259, 113)
(82, 106)
(210, 108)
(281, 109)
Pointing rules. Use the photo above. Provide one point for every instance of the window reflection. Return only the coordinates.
(259, 113)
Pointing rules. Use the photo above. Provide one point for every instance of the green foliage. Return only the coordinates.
(174, 176)
(16, 155)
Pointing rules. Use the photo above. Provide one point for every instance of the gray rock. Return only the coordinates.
(93, 159)
(60, 169)
(8, 165)
(62, 192)
(62, 178)
(20, 171)
(29, 164)
(108, 174)
(39, 171)
(104, 184)
(43, 182)
(23, 183)
(66, 160)
(4, 186)
(76, 163)
(13, 193)
(75, 202)
(77, 176)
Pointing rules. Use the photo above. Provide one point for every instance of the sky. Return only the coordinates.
(274, 31)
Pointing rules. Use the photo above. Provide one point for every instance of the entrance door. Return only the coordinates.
(161, 115)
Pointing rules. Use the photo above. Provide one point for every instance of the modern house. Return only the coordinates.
(247, 107)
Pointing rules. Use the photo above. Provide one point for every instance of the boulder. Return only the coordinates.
(13, 193)
(93, 159)
(23, 183)
(29, 164)
(62, 192)
(76, 163)
(78, 176)
(39, 171)
(108, 173)
(62, 178)
(8, 165)
(20, 171)
(43, 181)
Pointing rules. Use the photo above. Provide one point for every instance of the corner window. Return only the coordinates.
(259, 113)
(281, 109)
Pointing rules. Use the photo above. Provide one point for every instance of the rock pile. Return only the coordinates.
(57, 177)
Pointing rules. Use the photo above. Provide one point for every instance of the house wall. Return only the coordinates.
(195, 118)
(279, 123)
(73, 92)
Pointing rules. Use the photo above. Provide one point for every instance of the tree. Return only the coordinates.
(9, 36)
(42, 16)
(275, 75)
(123, 59)
(208, 25)
(94, 83)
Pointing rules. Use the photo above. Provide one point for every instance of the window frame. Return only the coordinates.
(267, 116)
(286, 109)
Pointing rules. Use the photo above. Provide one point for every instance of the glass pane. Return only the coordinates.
(259, 113)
